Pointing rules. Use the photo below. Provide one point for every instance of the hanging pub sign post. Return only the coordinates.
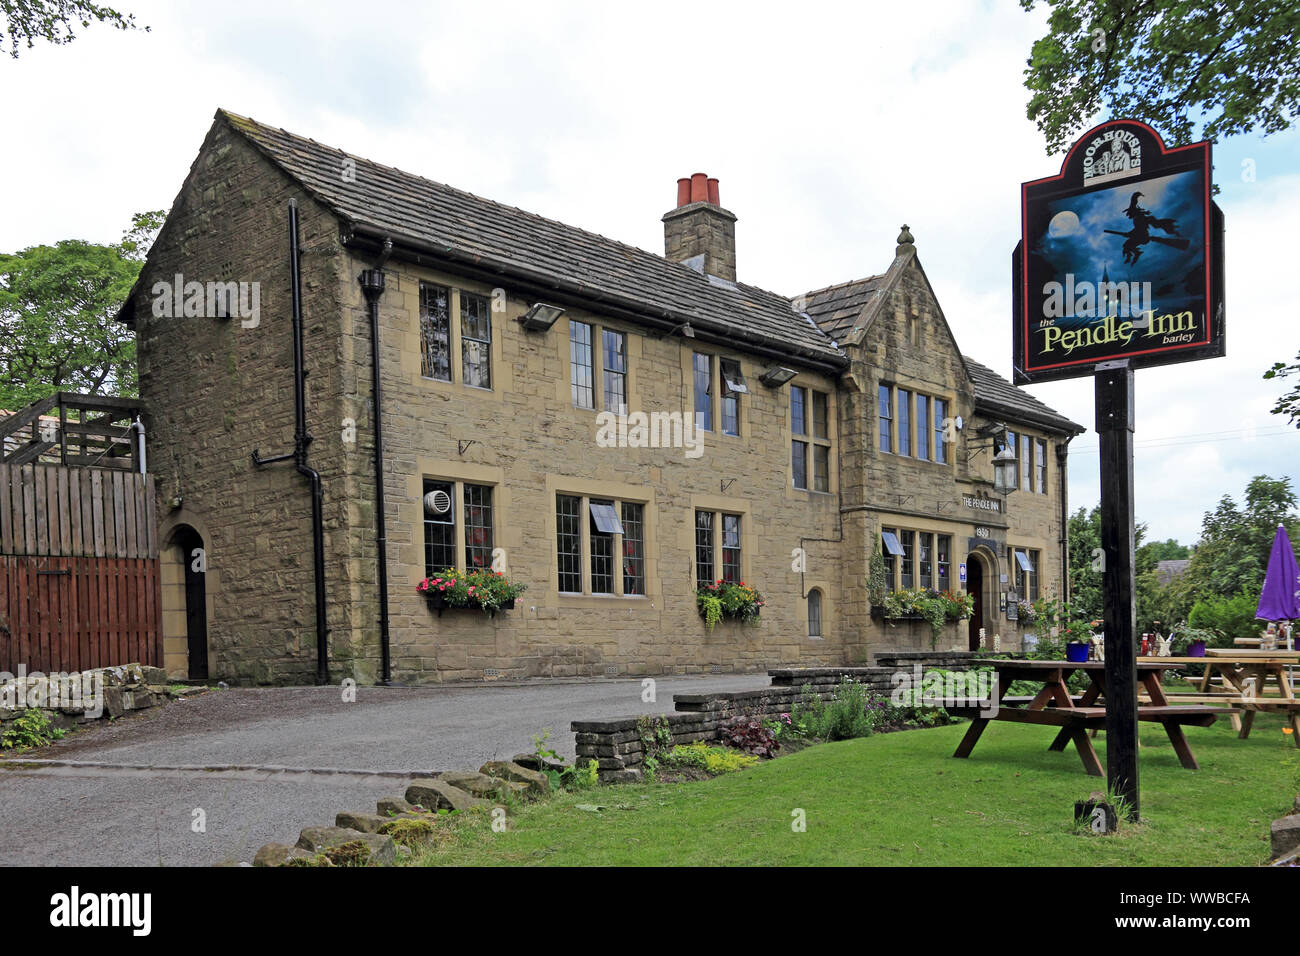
(1119, 267)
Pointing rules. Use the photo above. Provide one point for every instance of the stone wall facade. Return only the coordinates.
(218, 388)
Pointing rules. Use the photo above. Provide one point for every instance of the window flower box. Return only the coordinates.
(728, 599)
(480, 589)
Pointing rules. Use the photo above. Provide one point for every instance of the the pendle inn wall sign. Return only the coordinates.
(1120, 257)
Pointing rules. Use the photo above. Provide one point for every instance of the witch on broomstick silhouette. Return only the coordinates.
(1140, 234)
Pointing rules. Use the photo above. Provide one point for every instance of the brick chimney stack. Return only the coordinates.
(699, 226)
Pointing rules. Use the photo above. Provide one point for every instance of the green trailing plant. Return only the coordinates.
(930, 605)
(876, 577)
(711, 608)
(734, 599)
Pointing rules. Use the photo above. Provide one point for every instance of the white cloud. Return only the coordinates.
(828, 125)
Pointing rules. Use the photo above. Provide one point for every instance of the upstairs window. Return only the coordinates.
(884, 418)
(615, 349)
(923, 427)
(939, 421)
(476, 340)
(1026, 463)
(904, 422)
(435, 332)
(733, 386)
(1040, 464)
(799, 427)
(810, 453)
(1011, 443)
(703, 365)
(580, 376)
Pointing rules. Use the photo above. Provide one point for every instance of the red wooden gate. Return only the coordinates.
(79, 583)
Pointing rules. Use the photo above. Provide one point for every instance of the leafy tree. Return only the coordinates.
(26, 21)
(1086, 595)
(1232, 65)
(1235, 541)
(1289, 403)
(57, 307)
(1168, 550)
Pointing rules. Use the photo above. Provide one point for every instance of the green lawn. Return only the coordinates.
(901, 799)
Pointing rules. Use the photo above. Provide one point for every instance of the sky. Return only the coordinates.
(828, 126)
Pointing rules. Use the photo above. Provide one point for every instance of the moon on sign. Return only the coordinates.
(1064, 223)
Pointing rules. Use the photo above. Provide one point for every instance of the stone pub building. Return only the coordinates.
(801, 434)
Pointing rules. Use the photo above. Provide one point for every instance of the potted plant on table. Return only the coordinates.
(1192, 641)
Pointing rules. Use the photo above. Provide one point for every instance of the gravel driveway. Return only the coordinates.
(258, 765)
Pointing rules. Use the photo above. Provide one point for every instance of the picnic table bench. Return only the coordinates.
(1076, 714)
(1244, 679)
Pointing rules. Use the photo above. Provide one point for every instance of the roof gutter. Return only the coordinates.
(570, 292)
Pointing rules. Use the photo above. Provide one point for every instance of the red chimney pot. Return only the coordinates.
(713, 192)
(699, 188)
(683, 191)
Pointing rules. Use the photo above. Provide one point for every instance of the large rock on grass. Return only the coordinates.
(435, 793)
(338, 844)
(1285, 834)
(538, 783)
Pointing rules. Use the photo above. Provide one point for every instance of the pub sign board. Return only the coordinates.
(1120, 257)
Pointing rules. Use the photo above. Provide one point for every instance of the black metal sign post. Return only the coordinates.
(1114, 383)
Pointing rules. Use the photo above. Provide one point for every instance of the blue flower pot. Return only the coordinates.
(1076, 653)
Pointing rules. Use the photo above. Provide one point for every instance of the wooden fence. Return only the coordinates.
(79, 581)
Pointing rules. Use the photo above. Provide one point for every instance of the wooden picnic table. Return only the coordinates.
(1055, 705)
(1245, 680)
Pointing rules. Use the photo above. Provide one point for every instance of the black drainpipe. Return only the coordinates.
(301, 439)
(1062, 471)
(372, 285)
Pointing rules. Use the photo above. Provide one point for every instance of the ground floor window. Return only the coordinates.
(1024, 563)
(916, 559)
(814, 613)
(450, 531)
(596, 532)
(717, 546)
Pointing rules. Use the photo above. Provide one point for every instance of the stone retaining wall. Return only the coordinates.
(618, 744)
(73, 699)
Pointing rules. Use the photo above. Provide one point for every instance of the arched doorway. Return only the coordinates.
(975, 588)
(193, 558)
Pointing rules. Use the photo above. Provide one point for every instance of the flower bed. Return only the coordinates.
(482, 589)
(728, 599)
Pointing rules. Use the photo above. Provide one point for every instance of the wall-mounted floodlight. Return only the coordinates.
(776, 376)
(540, 317)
